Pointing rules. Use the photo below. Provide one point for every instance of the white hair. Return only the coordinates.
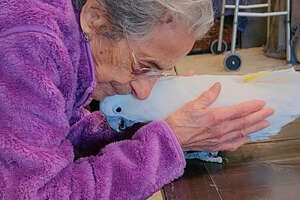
(136, 18)
(198, 13)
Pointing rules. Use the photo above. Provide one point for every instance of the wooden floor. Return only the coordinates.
(262, 170)
(253, 60)
(256, 171)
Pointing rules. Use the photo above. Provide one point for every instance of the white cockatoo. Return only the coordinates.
(280, 90)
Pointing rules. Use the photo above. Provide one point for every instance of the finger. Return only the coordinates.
(214, 142)
(200, 147)
(241, 123)
(209, 96)
(244, 132)
(225, 113)
(190, 73)
(234, 144)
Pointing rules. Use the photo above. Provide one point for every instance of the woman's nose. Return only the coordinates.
(141, 88)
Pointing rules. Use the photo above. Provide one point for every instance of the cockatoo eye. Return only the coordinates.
(118, 109)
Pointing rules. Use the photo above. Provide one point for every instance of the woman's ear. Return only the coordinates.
(92, 17)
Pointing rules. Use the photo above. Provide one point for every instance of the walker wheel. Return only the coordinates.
(214, 47)
(232, 62)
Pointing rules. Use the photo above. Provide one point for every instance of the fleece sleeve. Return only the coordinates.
(37, 159)
(91, 132)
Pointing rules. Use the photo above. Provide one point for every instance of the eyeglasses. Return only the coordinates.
(138, 69)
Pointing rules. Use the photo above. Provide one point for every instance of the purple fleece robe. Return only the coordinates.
(46, 77)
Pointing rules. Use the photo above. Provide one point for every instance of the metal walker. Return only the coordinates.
(233, 61)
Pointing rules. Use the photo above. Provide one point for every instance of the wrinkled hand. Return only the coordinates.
(199, 128)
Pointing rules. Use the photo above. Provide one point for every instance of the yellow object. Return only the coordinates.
(251, 77)
(156, 196)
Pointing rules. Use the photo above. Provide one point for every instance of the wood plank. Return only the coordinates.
(260, 170)
(259, 175)
(265, 180)
(285, 145)
(276, 193)
(195, 184)
(263, 152)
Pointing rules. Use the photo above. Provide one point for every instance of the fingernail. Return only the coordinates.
(270, 111)
(260, 102)
(216, 87)
(266, 123)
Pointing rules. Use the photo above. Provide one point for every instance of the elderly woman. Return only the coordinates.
(56, 54)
